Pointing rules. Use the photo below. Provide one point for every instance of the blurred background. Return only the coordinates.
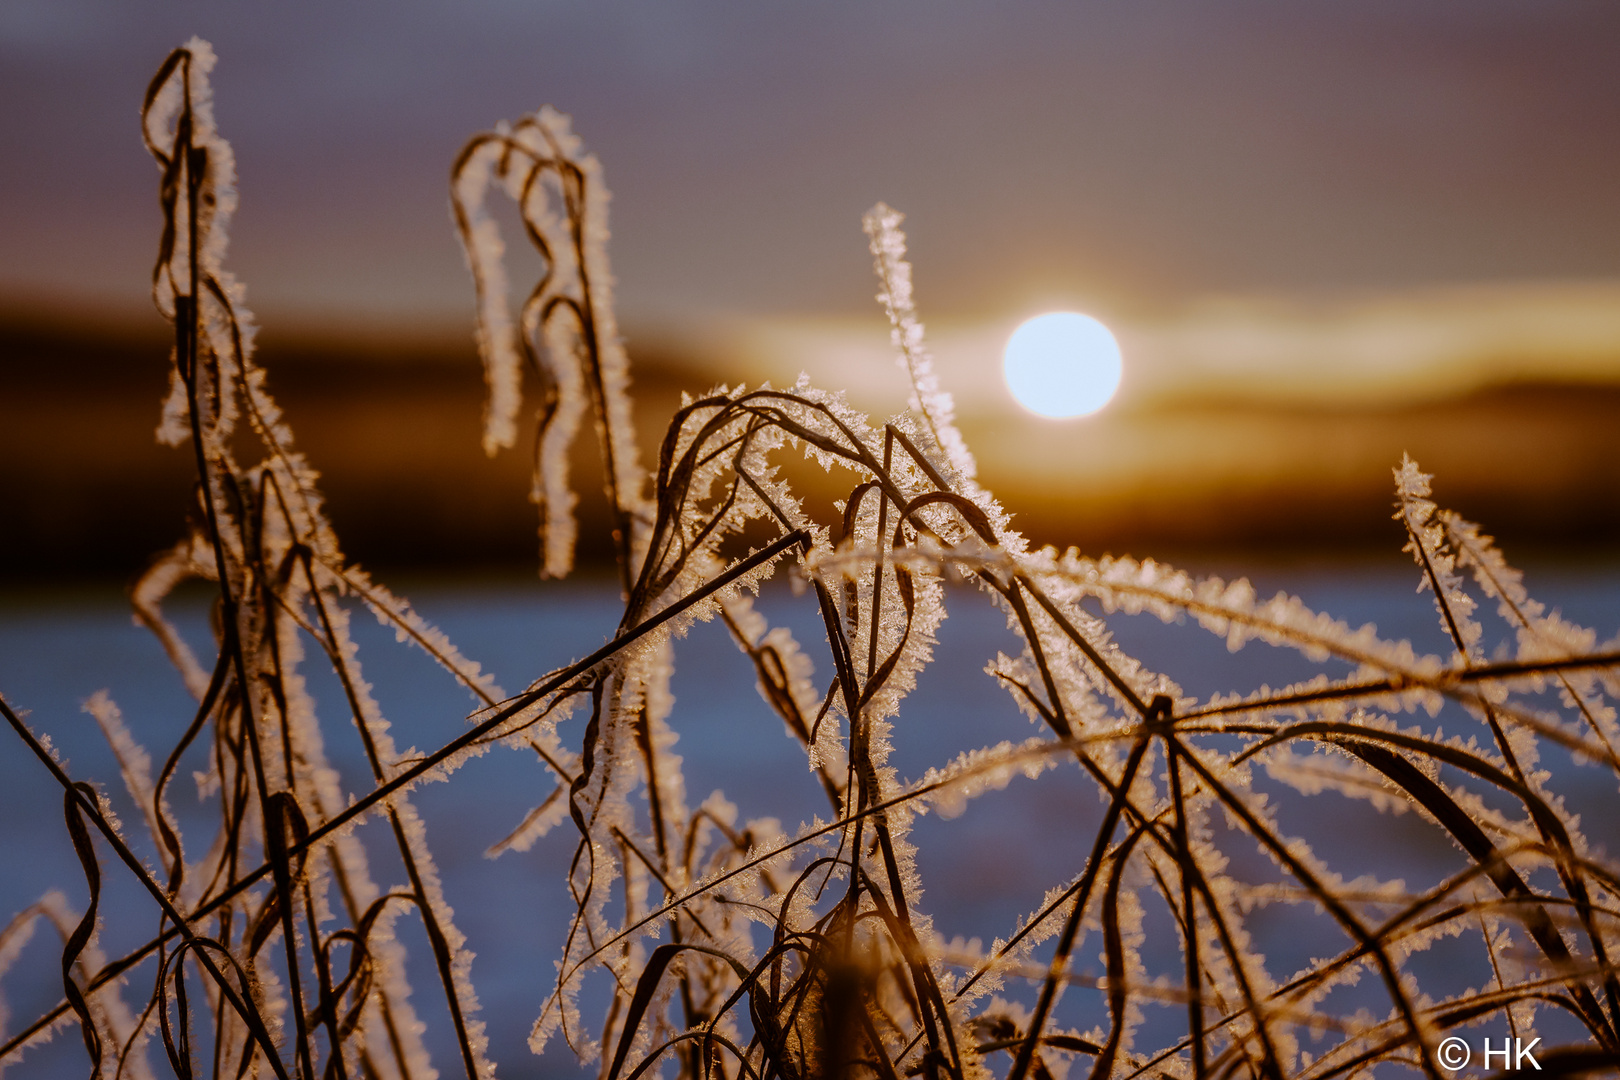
(1324, 234)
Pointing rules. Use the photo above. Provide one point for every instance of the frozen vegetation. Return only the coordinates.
(710, 945)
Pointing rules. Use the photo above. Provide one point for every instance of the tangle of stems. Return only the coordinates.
(805, 954)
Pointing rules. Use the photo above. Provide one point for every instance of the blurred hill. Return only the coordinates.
(394, 428)
(1535, 463)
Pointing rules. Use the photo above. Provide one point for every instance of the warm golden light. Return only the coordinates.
(1062, 364)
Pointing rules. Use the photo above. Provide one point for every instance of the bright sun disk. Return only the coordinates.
(1062, 364)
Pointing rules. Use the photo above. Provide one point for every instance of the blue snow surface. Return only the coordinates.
(982, 870)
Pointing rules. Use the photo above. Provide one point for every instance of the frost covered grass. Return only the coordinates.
(729, 947)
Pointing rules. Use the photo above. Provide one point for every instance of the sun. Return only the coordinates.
(1062, 364)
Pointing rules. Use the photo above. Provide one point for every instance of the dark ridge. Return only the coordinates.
(1534, 463)
(395, 431)
(394, 428)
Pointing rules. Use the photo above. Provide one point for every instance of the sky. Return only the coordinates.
(1176, 167)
